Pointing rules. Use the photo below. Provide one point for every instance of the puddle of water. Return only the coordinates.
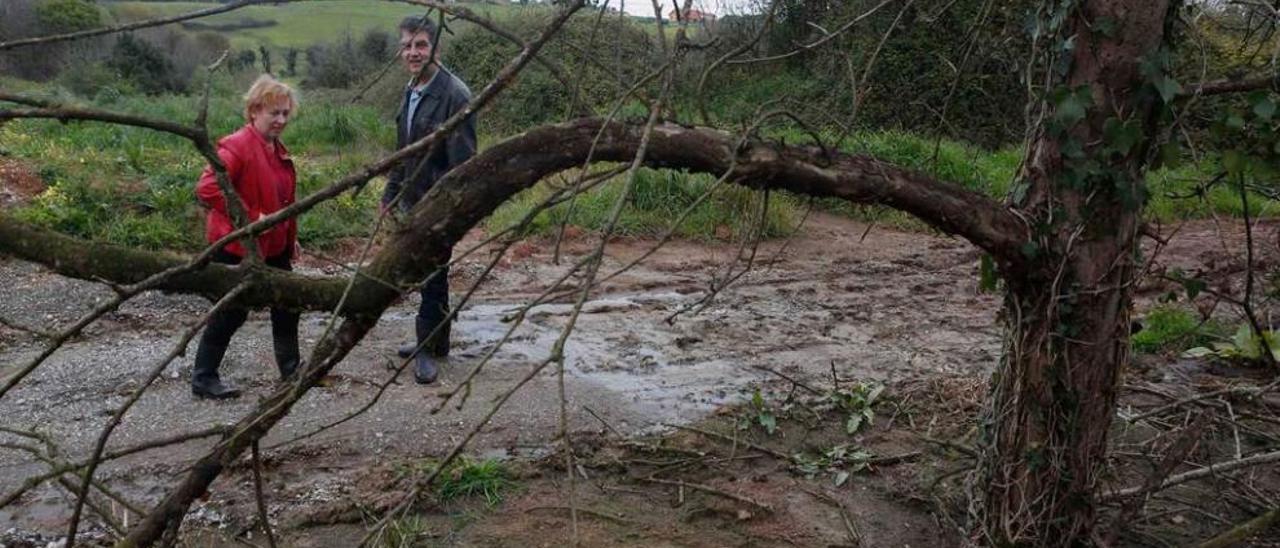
(620, 344)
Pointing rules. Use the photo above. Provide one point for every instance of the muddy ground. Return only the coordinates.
(893, 307)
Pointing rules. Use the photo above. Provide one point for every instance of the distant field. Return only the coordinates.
(298, 24)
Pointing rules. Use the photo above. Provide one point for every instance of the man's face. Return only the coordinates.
(270, 119)
(415, 50)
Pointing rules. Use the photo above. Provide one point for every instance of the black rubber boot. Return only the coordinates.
(205, 382)
(213, 389)
(426, 369)
(288, 358)
(437, 345)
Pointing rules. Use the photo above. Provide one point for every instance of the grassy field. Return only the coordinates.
(134, 187)
(297, 24)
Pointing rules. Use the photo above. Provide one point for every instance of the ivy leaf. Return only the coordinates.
(1263, 107)
(1235, 121)
(1071, 105)
(1167, 87)
(1121, 136)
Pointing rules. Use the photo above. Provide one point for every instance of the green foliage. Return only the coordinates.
(1172, 328)
(1245, 345)
(133, 186)
(759, 413)
(962, 58)
(68, 15)
(658, 198)
(856, 403)
(145, 66)
(487, 478)
(840, 461)
(406, 532)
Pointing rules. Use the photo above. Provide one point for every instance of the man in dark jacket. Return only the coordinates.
(432, 96)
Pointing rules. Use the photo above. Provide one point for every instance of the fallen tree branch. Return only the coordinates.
(711, 490)
(1255, 460)
(1244, 530)
(97, 261)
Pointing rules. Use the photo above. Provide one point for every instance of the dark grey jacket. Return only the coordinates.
(442, 98)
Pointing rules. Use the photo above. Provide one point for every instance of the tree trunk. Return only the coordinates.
(1067, 306)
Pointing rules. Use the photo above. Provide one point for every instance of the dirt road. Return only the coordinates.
(891, 305)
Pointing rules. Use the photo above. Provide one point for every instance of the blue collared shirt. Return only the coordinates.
(415, 96)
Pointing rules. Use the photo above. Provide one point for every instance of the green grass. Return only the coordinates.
(1171, 328)
(488, 479)
(992, 172)
(299, 24)
(657, 200)
(134, 186)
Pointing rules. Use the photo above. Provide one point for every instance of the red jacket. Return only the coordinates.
(265, 181)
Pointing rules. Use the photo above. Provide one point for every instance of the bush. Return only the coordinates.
(334, 65)
(67, 15)
(30, 18)
(145, 65)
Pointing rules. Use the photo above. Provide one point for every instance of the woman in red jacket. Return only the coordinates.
(259, 168)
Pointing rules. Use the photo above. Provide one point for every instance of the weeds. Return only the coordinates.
(856, 404)
(1244, 345)
(759, 413)
(840, 461)
(405, 532)
(1171, 329)
(487, 478)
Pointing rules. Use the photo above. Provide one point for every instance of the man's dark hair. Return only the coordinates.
(418, 23)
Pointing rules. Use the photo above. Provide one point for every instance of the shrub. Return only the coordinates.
(68, 15)
(145, 65)
(334, 65)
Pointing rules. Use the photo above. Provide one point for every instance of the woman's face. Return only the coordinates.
(270, 118)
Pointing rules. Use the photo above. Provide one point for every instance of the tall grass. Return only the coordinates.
(658, 198)
(135, 186)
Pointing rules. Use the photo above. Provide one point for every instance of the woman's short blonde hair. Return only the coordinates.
(266, 90)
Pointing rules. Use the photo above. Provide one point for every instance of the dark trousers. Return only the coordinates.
(223, 324)
(433, 311)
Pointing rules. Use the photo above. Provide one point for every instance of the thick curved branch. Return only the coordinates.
(474, 189)
(1222, 87)
(96, 261)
